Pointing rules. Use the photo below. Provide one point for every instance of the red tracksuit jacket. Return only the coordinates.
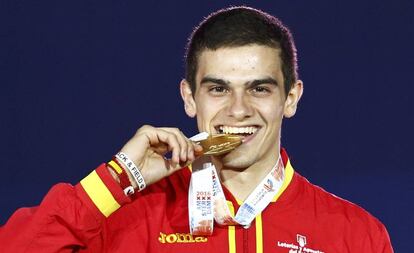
(96, 216)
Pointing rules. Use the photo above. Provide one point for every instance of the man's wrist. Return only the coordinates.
(113, 174)
(123, 179)
(133, 172)
(130, 177)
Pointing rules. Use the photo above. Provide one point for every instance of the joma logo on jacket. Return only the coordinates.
(180, 238)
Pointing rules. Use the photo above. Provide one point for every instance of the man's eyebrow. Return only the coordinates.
(257, 82)
(208, 79)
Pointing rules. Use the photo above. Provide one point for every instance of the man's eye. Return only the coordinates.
(260, 89)
(218, 89)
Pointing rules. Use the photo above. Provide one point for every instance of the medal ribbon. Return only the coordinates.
(206, 200)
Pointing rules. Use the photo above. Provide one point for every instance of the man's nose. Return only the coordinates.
(240, 107)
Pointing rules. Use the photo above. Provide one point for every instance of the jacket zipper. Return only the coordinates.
(245, 240)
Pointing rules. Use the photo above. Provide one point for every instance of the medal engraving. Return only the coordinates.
(220, 144)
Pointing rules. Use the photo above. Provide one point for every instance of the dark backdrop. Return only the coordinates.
(79, 77)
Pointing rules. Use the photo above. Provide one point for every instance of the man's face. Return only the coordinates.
(239, 90)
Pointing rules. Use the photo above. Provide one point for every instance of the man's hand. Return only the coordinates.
(148, 147)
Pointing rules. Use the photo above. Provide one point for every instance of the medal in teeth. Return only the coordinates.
(217, 144)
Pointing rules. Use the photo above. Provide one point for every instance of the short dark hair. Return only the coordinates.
(240, 26)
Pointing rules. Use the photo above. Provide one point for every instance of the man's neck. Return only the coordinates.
(241, 182)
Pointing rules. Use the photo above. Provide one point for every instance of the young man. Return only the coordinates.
(240, 79)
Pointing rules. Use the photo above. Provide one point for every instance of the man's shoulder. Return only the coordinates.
(333, 216)
(335, 207)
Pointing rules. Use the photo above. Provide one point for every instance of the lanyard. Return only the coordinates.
(206, 200)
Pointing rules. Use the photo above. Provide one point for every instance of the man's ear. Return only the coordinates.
(187, 96)
(293, 98)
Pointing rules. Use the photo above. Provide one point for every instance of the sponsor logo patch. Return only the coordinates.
(180, 238)
(300, 247)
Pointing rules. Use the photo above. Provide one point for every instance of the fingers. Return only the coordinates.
(187, 148)
(182, 141)
(162, 140)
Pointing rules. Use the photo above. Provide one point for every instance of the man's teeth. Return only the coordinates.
(237, 130)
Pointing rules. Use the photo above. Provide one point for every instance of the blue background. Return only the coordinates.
(79, 77)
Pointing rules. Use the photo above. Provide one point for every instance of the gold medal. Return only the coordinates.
(220, 144)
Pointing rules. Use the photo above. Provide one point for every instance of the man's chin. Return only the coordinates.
(236, 160)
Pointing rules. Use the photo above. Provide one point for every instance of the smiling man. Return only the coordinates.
(240, 90)
(240, 80)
